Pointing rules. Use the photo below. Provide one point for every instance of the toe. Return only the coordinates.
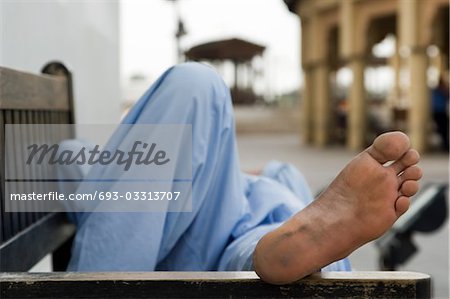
(389, 147)
(409, 188)
(401, 205)
(411, 173)
(410, 158)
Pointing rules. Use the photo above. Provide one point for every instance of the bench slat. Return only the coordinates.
(212, 285)
(27, 98)
(25, 91)
(22, 251)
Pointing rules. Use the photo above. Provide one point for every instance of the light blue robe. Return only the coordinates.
(230, 211)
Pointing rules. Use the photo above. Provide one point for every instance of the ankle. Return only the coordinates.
(310, 240)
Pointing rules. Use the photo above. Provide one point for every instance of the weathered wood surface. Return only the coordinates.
(21, 252)
(27, 98)
(212, 285)
(25, 91)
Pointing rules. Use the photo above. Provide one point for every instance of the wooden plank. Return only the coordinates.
(31, 98)
(5, 219)
(10, 165)
(29, 246)
(25, 91)
(212, 285)
(19, 167)
(31, 133)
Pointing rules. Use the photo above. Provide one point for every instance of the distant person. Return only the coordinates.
(439, 100)
(268, 223)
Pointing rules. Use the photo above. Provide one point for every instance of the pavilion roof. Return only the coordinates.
(233, 49)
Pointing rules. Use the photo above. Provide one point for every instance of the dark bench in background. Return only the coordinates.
(25, 238)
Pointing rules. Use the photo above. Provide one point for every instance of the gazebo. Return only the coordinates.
(241, 54)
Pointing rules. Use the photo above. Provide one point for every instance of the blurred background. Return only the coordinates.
(312, 81)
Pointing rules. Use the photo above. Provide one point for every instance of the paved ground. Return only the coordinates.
(321, 165)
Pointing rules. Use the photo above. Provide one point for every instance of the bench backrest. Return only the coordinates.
(32, 99)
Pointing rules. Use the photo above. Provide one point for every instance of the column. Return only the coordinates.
(352, 47)
(395, 63)
(316, 100)
(322, 104)
(419, 111)
(307, 105)
(308, 89)
(319, 56)
(412, 36)
(357, 112)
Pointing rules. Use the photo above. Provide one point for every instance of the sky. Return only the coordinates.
(148, 26)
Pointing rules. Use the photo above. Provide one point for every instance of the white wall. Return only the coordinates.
(82, 34)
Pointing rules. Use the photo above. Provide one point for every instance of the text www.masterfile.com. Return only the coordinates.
(97, 195)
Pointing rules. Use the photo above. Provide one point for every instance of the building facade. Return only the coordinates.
(84, 35)
(338, 33)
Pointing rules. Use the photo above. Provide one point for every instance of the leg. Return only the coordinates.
(273, 195)
(186, 94)
(224, 225)
(364, 200)
(291, 178)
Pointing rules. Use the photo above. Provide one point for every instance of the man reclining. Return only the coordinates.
(267, 223)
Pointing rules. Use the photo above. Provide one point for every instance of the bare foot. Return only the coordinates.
(362, 203)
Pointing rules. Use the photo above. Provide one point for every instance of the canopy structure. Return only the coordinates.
(232, 49)
(241, 53)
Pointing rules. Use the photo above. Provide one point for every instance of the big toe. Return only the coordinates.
(389, 147)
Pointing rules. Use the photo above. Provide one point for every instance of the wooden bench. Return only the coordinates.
(213, 285)
(25, 238)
